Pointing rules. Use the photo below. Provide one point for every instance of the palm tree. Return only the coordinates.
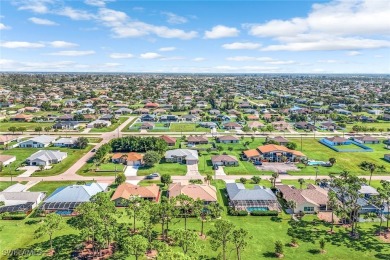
(371, 167)
(332, 161)
(208, 178)
(275, 175)
(292, 205)
(333, 205)
(301, 182)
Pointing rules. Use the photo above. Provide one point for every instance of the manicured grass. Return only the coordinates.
(73, 156)
(378, 125)
(105, 169)
(29, 125)
(50, 186)
(126, 129)
(5, 184)
(345, 160)
(110, 128)
(94, 140)
(187, 127)
(164, 168)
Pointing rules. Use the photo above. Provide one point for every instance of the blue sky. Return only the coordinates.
(344, 36)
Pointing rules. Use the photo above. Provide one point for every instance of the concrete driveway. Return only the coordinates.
(131, 170)
(192, 170)
(29, 170)
(220, 171)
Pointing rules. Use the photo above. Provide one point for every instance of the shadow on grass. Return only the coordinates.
(269, 255)
(314, 251)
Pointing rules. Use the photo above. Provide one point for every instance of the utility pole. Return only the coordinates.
(301, 142)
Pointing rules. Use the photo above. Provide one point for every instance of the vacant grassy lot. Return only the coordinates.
(378, 125)
(110, 128)
(164, 168)
(345, 160)
(104, 169)
(29, 126)
(187, 127)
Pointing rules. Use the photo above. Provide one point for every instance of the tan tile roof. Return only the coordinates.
(129, 156)
(251, 153)
(128, 190)
(195, 191)
(312, 194)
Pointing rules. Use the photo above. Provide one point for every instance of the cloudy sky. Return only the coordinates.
(343, 36)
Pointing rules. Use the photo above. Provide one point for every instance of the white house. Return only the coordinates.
(98, 122)
(46, 157)
(37, 142)
(65, 142)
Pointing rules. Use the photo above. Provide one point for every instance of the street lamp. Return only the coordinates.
(316, 167)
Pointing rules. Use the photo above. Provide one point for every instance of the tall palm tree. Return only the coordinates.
(333, 205)
(371, 168)
(292, 205)
(275, 175)
(301, 182)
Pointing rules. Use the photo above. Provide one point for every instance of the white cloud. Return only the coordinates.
(241, 46)
(330, 44)
(329, 61)
(20, 44)
(336, 25)
(41, 21)
(124, 27)
(267, 60)
(62, 44)
(167, 49)
(221, 31)
(354, 53)
(112, 64)
(199, 59)
(150, 55)
(121, 55)
(75, 14)
(174, 18)
(245, 69)
(36, 6)
(4, 27)
(98, 3)
(72, 53)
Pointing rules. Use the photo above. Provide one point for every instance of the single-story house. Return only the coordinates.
(65, 200)
(255, 124)
(66, 117)
(98, 124)
(227, 139)
(148, 118)
(241, 198)
(147, 125)
(107, 117)
(182, 156)
(169, 118)
(279, 140)
(151, 105)
(253, 117)
(272, 153)
(204, 192)
(46, 157)
(251, 155)
(280, 125)
(133, 158)
(224, 160)
(310, 200)
(330, 126)
(232, 126)
(22, 118)
(123, 111)
(7, 159)
(127, 191)
(190, 118)
(38, 142)
(336, 140)
(366, 139)
(197, 140)
(65, 142)
(214, 112)
(66, 125)
(171, 141)
(305, 126)
(208, 125)
(6, 139)
(20, 202)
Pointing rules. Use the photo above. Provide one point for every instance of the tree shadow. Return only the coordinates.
(269, 255)
(314, 251)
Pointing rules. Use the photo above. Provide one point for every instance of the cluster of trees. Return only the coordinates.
(363, 128)
(138, 144)
(97, 222)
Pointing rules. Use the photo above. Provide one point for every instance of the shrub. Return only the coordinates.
(233, 212)
(243, 180)
(264, 213)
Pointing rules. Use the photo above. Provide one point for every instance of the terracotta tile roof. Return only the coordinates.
(128, 190)
(195, 191)
(228, 138)
(168, 139)
(129, 156)
(272, 148)
(251, 153)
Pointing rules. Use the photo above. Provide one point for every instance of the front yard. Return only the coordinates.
(104, 169)
(164, 168)
(109, 128)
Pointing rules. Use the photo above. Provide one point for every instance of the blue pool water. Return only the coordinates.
(315, 163)
(250, 209)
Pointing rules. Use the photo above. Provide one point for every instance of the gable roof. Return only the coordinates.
(313, 194)
(128, 190)
(168, 139)
(46, 155)
(197, 139)
(77, 193)
(187, 153)
(17, 198)
(223, 158)
(251, 153)
(43, 139)
(228, 138)
(237, 191)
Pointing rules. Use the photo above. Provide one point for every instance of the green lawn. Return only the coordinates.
(50, 186)
(105, 169)
(29, 125)
(126, 129)
(110, 128)
(264, 231)
(345, 160)
(5, 184)
(187, 127)
(164, 168)
(94, 140)
(23, 153)
(378, 125)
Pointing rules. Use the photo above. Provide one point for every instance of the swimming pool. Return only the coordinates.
(250, 209)
(315, 163)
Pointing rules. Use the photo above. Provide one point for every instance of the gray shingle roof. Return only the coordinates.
(47, 155)
(237, 191)
(187, 153)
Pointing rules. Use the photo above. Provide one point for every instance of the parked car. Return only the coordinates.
(152, 176)
(257, 163)
(215, 167)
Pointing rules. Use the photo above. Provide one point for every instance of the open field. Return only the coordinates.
(378, 125)
(50, 186)
(164, 168)
(345, 160)
(187, 127)
(30, 126)
(110, 128)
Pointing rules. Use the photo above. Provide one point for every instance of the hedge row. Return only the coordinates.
(233, 212)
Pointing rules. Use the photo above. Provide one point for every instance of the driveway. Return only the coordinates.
(131, 171)
(29, 170)
(278, 167)
(192, 170)
(220, 171)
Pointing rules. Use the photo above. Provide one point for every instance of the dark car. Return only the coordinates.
(257, 163)
(93, 150)
(215, 167)
(152, 176)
